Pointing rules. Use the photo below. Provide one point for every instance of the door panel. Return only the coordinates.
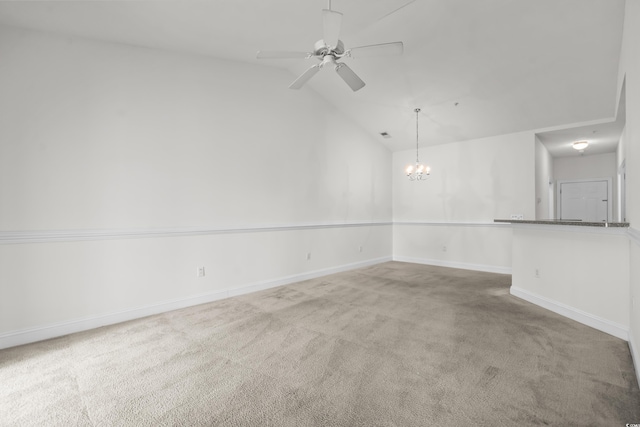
(586, 201)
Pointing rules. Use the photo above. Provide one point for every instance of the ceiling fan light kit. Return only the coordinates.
(330, 49)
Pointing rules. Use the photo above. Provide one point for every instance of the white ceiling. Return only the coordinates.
(602, 135)
(602, 138)
(476, 68)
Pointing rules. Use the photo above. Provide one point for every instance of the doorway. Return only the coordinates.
(622, 191)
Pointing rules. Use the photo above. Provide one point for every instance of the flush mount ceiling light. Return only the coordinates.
(580, 145)
(417, 172)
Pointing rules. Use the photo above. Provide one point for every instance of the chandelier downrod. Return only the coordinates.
(417, 111)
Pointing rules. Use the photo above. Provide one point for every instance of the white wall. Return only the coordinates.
(585, 167)
(544, 176)
(472, 183)
(580, 272)
(629, 72)
(107, 136)
(201, 161)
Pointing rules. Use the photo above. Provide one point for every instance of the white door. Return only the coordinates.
(586, 201)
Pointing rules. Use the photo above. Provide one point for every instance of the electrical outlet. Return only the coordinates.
(308, 256)
(200, 271)
(536, 273)
(444, 249)
(517, 216)
(359, 248)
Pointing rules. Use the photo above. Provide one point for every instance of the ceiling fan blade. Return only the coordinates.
(350, 78)
(397, 9)
(282, 54)
(331, 24)
(393, 48)
(300, 81)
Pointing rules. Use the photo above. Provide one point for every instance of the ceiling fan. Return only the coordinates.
(330, 49)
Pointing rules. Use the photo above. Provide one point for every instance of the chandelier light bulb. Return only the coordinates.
(418, 172)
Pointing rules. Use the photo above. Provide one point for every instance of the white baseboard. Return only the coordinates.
(44, 332)
(607, 326)
(635, 356)
(455, 264)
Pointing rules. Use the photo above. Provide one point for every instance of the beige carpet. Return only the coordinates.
(391, 345)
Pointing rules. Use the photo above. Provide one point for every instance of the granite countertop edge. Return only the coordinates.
(564, 222)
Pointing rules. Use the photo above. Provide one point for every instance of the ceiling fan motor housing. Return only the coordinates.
(321, 49)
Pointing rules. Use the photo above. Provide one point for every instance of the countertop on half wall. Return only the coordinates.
(564, 222)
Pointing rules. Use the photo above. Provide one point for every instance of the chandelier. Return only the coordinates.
(417, 172)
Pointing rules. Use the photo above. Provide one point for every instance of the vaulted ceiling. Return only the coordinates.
(476, 68)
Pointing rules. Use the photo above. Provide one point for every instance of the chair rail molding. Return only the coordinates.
(45, 236)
